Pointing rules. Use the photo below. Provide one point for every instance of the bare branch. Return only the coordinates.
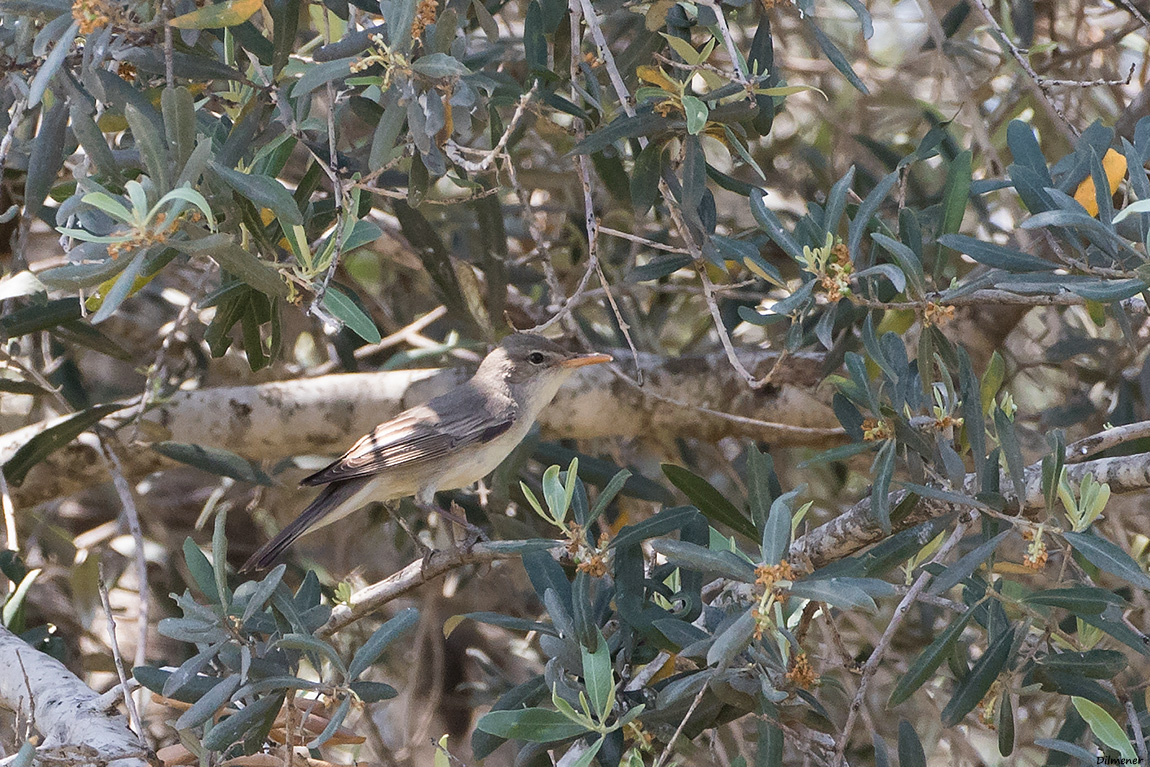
(65, 710)
(880, 649)
(369, 599)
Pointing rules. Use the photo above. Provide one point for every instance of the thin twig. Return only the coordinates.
(1046, 97)
(124, 492)
(1136, 727)
(542, 243)
(880, 649)
(679, 730)
(11, 542)
(454, 150)
(605, 54)
(770, 430)
(169, 47)
(1079, 451)
(641, 240)
(1089, 83)
(728, 41)
(15, 119)
(133, 714)
(724, 336)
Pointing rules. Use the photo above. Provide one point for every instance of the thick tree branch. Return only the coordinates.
(62, 708)
(324, 415)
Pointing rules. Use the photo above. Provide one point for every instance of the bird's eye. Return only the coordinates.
(536, 358)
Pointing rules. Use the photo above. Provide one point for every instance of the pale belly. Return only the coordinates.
(465, 468)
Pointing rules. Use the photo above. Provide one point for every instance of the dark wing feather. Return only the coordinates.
(329, 499)
(418, 434)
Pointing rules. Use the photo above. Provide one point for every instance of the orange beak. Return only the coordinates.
(585, 359)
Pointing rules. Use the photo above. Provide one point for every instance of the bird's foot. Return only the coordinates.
(428, 553)
(457, 515)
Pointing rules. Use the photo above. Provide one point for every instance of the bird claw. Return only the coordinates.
(428, 553)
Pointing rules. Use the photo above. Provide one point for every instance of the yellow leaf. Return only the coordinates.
(685, 50)
(657, 76)
(1114, 163)
(227, 14)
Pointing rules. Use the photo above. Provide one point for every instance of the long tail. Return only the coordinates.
(330, 498)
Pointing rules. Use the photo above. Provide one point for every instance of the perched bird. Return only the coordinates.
(451, 442)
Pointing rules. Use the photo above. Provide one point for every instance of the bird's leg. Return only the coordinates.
(474, 534)
(456, 515)
(424, 549)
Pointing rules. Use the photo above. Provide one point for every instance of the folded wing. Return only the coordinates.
(420, 434)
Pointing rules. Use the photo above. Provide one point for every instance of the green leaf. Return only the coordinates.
(883, 470)
(956, 193)
(15, 601)
(153, 146)
(209, 703)
(229, 730)
(254, 271)
(697, 114)
(645, 182)
(966, 565)
(534, 38)
(374, 647)
(321, 74)
(659, 266)
(607, 494)
(201, 570)
(735, 638)
(974, 687)
(52, 63)
(770, 224)
(1109, 557)
(400, 14)
(333, 724)
(598, 677)
(263, 192)
(1080, 600)
(777, 530)
(1105, 728)
(348, 312)
(998, 256)
(1008, 439)
(837, 592)
(263, 592)
(929, 660)
(709, 500)
(214, 460)
(1005, 724)
(1092, 664)
(835, 56)
(535, 725)
(373, 692)
(188, 689)
(52, 439)
(661, 523)
(725, 564)
(641, 124)
(439, 65)
(910, 752)
(310, 644)
(46, 158)
(220, 555)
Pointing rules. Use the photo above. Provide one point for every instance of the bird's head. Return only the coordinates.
(533, 367)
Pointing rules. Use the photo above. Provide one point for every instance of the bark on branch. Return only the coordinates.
(64, 710)
(323, 415)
